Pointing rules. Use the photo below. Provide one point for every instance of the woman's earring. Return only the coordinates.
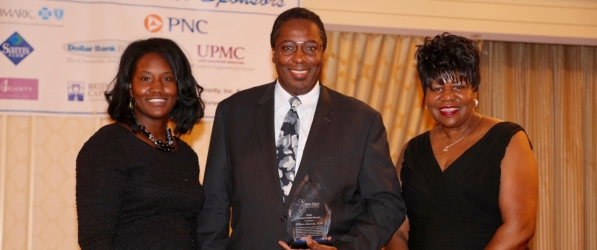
(131, 103)
(476, 103)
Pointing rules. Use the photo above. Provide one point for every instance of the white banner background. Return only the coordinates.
(74, 48)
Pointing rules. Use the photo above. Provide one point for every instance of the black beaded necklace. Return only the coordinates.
(166, 147)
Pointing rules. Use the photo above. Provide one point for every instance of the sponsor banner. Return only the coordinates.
(61, 56)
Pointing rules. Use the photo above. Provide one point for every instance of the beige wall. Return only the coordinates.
(538, 21)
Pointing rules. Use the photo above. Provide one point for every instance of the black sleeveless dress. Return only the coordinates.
(457, 208)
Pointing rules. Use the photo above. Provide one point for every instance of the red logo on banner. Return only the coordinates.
(153, 23)
(18, 88)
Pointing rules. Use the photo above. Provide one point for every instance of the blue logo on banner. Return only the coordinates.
(58, 13)
(76, 91)
(44, 13)
(16, 48)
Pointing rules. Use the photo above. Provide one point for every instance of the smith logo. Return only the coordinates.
(16, 48)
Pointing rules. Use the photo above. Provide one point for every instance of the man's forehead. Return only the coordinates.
(306, 24)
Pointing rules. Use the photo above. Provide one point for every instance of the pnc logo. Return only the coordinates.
(153, 23)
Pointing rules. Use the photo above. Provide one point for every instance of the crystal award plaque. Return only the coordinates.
(308, 216)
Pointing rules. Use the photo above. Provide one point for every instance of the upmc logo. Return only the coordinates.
(154, 24)
(216, 51)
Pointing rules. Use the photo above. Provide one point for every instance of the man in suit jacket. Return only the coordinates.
(342, 149)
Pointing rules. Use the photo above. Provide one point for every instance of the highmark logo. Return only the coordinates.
(17, 13)
(46, 13)
(16, 48)
(18, 88)
(153, 23)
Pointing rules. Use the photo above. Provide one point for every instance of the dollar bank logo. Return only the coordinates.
(16, 48)
(153, 23)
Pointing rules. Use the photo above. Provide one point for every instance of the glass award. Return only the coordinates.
(308, 216)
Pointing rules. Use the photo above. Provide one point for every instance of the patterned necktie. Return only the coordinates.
(287, 146)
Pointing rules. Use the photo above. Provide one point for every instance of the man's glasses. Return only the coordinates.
(309, 48)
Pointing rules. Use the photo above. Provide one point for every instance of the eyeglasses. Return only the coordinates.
(289, 48)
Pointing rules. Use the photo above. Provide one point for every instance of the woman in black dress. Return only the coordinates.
(471, 182)
(137, 182)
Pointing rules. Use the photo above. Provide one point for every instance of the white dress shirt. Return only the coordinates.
(305, 113)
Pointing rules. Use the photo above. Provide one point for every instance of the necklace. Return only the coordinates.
(459, 139)
(166, 147)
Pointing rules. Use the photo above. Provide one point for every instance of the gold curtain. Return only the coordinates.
(379, 70)
(550, 90)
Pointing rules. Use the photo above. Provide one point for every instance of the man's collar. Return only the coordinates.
(308, 100)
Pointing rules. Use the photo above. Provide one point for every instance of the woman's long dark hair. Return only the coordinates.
(189, 106)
